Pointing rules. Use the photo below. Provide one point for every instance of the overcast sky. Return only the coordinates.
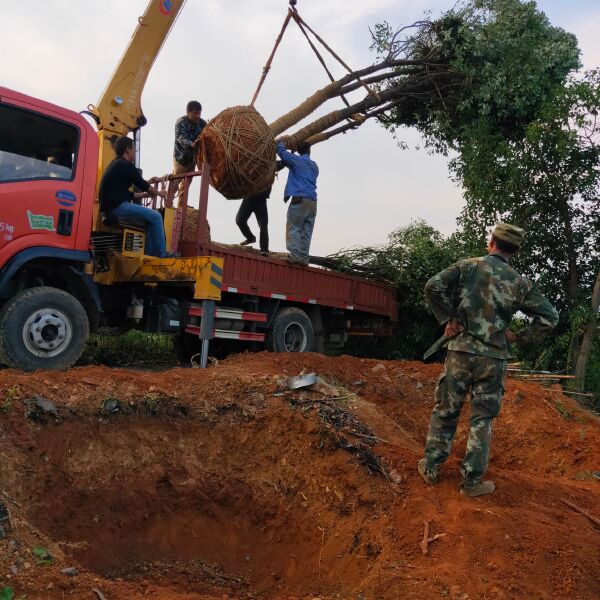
(65, 51)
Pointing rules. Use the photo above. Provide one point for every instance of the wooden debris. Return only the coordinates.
(424, 543)
(538, 377)
(368, 437)
(571, 393)
(99, 594)
(582, 512)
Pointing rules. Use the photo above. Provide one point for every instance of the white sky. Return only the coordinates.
(65, 51)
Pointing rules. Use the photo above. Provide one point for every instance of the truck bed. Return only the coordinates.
(247, 272)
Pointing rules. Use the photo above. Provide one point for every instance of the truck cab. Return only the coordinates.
(48, 165)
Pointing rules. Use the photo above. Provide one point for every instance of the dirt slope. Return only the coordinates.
(191, 485)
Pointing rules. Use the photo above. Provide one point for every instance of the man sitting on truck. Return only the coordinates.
(301, 186)
(187, 130)
(117, 199)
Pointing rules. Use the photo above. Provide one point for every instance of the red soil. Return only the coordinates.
(213, 484)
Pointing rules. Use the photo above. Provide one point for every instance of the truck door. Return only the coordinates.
(40, 180)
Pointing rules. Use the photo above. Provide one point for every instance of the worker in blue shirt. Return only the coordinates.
(301, 187)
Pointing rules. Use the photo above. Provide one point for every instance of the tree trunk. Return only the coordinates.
(317, 99)
(573, 281)
(341, 86)
(588, 338)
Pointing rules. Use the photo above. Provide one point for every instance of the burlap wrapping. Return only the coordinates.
(190, 226)
(240, 149)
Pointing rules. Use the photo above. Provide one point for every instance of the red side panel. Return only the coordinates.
(269, 277)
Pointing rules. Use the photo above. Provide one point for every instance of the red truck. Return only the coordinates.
(64, 273)
(55, 286)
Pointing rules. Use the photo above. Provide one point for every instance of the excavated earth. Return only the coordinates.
(221, 484)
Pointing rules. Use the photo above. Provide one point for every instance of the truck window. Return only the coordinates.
(33, 146)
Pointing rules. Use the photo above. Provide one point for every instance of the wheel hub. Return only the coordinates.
(47, 332)
(294, 338)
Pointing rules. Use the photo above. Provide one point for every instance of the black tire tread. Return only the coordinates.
(7, 311)
(271, 339)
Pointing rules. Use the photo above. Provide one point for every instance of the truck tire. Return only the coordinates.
(292, 331)
(42, 328)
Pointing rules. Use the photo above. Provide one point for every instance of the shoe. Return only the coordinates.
(472, 490)
(248, 242)
(429, 477)
(264, 253)
(171, 255)
(296, 261)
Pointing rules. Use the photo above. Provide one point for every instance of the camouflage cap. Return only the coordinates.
(509, 233)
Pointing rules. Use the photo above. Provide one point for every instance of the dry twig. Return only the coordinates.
(321, 550)
(582, 512)
(424, 544)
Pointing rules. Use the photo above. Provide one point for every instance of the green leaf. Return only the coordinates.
(43, 557)
(7, 594)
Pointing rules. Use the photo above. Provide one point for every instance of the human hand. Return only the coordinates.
(511, 336)
(285, 140)
(161, 193)
(453, 327)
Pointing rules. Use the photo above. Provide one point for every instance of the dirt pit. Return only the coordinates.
(198, 485)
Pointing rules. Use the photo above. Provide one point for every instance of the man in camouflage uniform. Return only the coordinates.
(476, 298)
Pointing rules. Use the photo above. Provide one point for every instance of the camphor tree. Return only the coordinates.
(482, 70)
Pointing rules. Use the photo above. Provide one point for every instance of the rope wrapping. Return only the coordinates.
(240, 149)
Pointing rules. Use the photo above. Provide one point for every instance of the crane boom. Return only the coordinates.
(119, 110)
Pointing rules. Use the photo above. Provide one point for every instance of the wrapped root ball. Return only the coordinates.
(240, 149)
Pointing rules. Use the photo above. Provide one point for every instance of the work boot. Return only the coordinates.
(296, 261)
(472, 490)
(429, 477)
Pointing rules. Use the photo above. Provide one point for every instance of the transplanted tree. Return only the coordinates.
(484, 68)
(479, 72)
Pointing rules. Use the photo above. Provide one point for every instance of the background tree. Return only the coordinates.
(410, 257)
(548, 182)
(525, 137)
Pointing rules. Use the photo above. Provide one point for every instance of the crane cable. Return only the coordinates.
(303, 26)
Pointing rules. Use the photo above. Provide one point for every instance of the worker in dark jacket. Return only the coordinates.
(187, 130)
(301, 187)
(476, 299)
(117, 198)
(256, 204)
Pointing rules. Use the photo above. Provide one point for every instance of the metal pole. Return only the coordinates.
(137, 140)
(207, 325)
(202, 229)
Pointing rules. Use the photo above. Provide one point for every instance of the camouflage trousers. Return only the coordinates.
(484, 378)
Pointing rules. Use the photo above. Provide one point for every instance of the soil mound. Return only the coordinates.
(200, 485)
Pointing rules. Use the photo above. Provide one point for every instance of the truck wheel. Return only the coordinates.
(292, 331)
(42, 328)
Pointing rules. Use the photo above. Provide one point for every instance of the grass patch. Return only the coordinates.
(135, 348)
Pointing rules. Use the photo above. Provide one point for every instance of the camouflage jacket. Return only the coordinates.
(186, 132)
(483, 294)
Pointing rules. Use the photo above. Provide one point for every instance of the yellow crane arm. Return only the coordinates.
(119, 110)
